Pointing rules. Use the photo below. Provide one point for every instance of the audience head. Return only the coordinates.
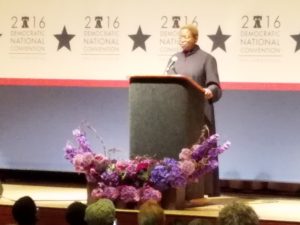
(237, 213)
(24, 211)
(75, 213)
(101, 212)
(151, 214)
(199, 221)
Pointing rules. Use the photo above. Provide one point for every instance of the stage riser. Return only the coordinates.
(50, 216)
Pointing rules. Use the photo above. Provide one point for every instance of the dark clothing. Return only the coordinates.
(202, 68)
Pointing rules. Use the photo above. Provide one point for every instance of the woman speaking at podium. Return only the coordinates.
(193, 62)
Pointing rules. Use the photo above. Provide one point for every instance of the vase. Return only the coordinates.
(122, 205)
(173, 198)
(90, 187)
(1, 189)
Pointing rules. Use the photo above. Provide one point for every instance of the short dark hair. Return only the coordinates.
(200, 221)
(24, 211)
(75, 213)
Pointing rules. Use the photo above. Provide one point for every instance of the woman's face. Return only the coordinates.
(186, 40)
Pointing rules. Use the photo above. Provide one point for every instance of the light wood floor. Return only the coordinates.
(274, 208)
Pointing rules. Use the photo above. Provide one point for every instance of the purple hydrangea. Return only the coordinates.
(158, 177)
(167, 174)
(110, 178)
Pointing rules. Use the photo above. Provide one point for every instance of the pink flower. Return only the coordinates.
(148, 193)
(111, 192)
(88, 158)
(187, 167)
(83, 161)
(142, 166)
(129, 194)
(122, 165)
(97, 193)
(92, 175)
(131, 170)
(100, 162)
(185, 154)
(194, 147)
(99, 158)
(137, 180)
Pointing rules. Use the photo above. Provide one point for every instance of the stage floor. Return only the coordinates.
(270, 208)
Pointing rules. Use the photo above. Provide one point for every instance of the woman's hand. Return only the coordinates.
(208, 93)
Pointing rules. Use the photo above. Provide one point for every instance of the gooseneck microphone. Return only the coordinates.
(171, 64)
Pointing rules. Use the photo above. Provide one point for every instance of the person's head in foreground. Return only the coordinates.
(101, 212)
(151, 213)
(199, 221)
(75, 213)
(24, 211)
(237, 213)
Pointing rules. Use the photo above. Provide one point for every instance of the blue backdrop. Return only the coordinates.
(36, 122)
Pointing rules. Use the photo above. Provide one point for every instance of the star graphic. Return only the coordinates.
(296, 37)
(64, 39)
(219, 39)
(139, 39)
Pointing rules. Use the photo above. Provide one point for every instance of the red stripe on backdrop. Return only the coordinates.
(125, 84)
(63, 82)
(261, 86)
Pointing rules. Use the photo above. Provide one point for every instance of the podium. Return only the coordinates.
(166, 114)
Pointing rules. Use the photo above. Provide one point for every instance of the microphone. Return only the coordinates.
(171, 63)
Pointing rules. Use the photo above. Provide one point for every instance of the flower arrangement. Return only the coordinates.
(141, 178)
